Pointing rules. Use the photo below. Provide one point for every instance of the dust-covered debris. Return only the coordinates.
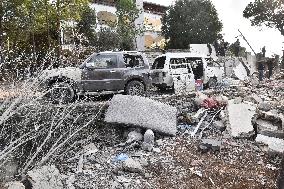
(143, 112)
(240, 117)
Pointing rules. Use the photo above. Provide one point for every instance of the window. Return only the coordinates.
(101, 61)
(132, 61)
(159, 63)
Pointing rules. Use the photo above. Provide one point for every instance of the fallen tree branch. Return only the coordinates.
(199, 124)
(200, 136)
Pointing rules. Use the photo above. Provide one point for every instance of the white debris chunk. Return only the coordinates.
(15, 185)
(143, 112)
(274, 144)
(46, 177)
(240, 118)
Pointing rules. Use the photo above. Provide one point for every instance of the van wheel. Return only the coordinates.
(135, 88)
(212, 83)
(62, 92)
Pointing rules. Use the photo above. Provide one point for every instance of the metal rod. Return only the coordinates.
(247, 42)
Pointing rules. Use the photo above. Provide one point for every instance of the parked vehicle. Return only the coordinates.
(203, 68)
(101, 73)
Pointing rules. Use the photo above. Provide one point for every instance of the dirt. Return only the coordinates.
(239, 164)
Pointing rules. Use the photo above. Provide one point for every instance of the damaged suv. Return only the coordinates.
(101, 73)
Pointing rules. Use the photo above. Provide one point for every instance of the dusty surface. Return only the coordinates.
(175, 162)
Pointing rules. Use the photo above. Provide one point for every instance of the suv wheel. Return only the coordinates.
(135, 88)
(62, 92)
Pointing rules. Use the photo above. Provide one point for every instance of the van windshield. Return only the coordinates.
(159, 63)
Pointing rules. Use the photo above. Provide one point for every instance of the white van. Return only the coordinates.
(204, 68)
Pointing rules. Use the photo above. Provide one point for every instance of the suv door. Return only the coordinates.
(100, 72)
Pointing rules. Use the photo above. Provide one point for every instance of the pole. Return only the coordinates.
(247, 42)
(1, 32)
(58, 32)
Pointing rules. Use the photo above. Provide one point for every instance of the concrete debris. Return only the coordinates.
(46, 177)
(240, 119)
(134, 136)
(132, 166)
(15, 185)
(219, 125)
(274, 144)
(149, 140)
(184, 83)
(264, 106)
(143, 112)
(210, 144)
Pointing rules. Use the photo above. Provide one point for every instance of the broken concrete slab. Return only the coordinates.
(264, 106)
(46, 177)
(132, 166)
(15, 185)
(210, 144)
(240, 119)
(142, 112)
(274, 144)
(276, 134)
(266, 125)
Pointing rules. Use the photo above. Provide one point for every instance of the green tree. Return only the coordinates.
(191, 22)
(107, 40)
(266, 12)
(127, 13)
(87, 25)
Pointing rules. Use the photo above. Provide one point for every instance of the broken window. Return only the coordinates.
(101, 61)
(132, 61)
(197, 66)
(180, 66)
(159, 63)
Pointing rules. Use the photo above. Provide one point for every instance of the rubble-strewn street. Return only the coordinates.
(217, 144)
(141, 94)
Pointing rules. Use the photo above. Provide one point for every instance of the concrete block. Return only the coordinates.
(274, 144)
(142, 112)
(240, 119)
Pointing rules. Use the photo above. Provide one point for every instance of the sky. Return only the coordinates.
(230, 13)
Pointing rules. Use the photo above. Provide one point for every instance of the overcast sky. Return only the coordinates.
(230, 13)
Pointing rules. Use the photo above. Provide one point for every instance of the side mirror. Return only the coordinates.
(90, 65)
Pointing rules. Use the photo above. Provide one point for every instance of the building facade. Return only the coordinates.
(150, 18)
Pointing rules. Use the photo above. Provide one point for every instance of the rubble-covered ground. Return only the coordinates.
(100, 157)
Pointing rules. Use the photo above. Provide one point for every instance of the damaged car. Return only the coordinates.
(101, 73)
(162, 71)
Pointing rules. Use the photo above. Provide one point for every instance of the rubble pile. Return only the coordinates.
(231, 138)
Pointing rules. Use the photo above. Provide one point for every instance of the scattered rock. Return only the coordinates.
(132, 166)
(46, 177)
(149, 137)
(219, 125)
(15, 185)
(143, 112)
(264, 106)
(134, 136)
(149, 140)
(210, 144)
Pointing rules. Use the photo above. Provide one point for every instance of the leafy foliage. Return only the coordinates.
(35, 25)
(266, 12)
(191, 22)
(127, 13)
(87, 25)
(107, 39)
